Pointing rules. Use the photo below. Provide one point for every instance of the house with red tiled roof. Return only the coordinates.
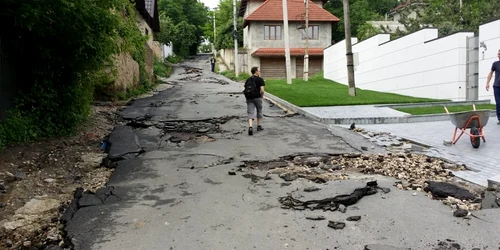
(264, 41)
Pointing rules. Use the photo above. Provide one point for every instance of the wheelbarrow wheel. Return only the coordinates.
(475, 140)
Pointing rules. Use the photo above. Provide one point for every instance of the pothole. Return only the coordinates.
(197, 130)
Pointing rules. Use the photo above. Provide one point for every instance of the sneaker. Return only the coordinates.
(259, 128)
(250, 131)
(498, 123)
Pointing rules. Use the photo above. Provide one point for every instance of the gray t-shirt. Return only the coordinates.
(496, 68)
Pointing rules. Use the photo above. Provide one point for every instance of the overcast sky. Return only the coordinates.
(210, 3)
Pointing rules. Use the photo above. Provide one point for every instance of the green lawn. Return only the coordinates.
(322, 92)
(440, 109)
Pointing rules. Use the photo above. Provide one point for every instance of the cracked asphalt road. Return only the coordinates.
(172, 189)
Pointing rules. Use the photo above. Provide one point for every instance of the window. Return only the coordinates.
(313, 33)
(272, 32)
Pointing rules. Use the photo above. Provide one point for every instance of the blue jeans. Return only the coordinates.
(496, 91)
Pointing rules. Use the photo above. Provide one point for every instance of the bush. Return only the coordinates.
(161, 69)
(67, 62)
(174, 59)
(231, 75)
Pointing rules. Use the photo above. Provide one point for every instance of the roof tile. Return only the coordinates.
(272, 10)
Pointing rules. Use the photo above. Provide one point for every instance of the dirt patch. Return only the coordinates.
(36, 179)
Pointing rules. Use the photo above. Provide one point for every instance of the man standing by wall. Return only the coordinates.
(496, 84)
(254, 92)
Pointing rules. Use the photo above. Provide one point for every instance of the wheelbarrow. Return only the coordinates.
(474, 120)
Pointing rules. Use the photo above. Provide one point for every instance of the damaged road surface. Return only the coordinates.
(182, 180)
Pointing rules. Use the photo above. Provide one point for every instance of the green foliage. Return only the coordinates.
(18, 128)
(449, 18)
(132, 92)
(167, 30)
(440, 110)
(319, 91)
(232, 75)
(70, 44)
(367, 30)
(174, 59)
(205, 48)
(161, 69)
(360, 11)
(185, 24)
(224, 21)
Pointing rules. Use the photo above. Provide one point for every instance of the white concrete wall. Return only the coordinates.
(167, 50)
(227, 56)
(417, 65)
(489, 34)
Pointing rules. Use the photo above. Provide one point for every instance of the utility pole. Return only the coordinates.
(235, 35)
(213, 44)
(306, 52)
(287, 43)
(348, 45)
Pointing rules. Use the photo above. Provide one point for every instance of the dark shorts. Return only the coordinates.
(252, 105)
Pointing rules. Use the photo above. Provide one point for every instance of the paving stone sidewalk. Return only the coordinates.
(484, 161)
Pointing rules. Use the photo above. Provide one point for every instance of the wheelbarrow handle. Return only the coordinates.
(446, 110)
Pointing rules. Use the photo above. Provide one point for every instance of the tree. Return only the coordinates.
(192, 12)
(62, 48)
(224, 26)
(449, 18)
(361, 11)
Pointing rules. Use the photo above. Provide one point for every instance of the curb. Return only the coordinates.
(376, 120)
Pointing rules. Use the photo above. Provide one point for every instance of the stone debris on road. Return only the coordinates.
(415, 172)
(336, 224)
(319, 217)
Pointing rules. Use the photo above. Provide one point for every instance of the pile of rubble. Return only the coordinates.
(412, 169)
(414, 172)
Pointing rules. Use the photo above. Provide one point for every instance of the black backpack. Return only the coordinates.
(251, 90)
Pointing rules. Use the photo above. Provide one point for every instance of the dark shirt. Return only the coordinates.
(496, 68)
(212, 60)
(259, 82)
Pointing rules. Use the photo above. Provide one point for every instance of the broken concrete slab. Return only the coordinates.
(123, 141)
(444, 189)
(336, 225)
(354, 218)
(383, 247)
(319, 217)
(89, 200)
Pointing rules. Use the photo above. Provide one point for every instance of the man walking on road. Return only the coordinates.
(212, 63)
(254, 92)
(496, 84)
